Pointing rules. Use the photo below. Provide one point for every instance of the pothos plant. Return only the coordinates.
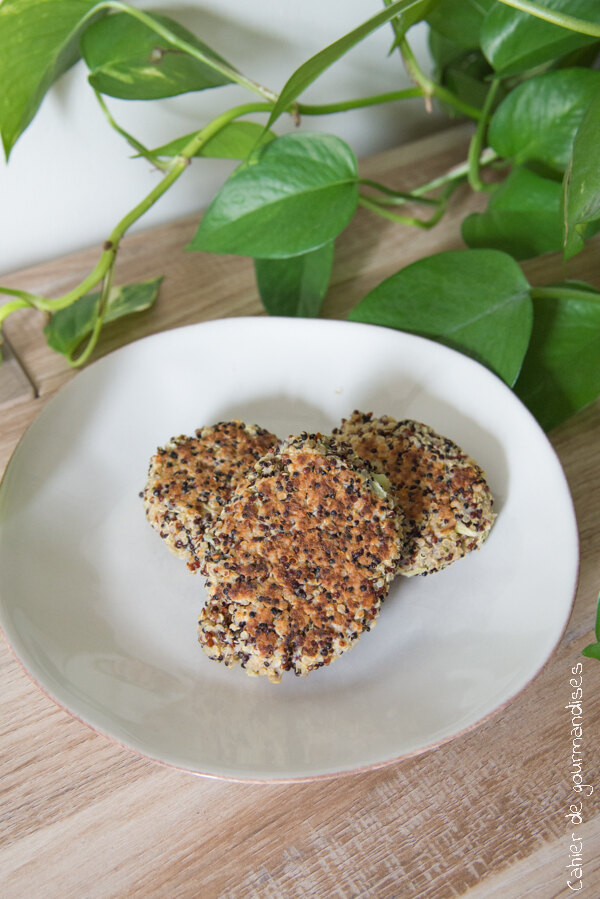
(524, 72)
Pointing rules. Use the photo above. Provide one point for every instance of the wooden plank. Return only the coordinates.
(482, 815)
(15, 386)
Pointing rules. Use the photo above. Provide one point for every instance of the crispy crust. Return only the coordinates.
(190, 479)
(444, 494)
(299, 561)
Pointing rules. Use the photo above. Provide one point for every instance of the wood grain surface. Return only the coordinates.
(484, 815)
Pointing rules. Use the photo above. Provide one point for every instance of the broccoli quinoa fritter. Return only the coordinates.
(299, 560)
(190, 479)
(443, 492)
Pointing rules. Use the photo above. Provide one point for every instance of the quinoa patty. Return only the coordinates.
(443, 492)
(190, 479)
(299, 560)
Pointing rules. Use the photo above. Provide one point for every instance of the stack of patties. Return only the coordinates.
(300, 540)
(299, 561)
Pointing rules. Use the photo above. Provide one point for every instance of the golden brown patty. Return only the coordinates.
(190, 479)
(299, 560)
(443, 492)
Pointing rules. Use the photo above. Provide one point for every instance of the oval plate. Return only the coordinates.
(103, 617)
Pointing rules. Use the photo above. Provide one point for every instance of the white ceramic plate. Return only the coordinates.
(103, 617)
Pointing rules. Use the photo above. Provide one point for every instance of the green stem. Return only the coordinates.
(429, 87)
(457, 173)
(563, 293)
(367, 203)
(131, 140)
(93, 338)
(12, 306)
(395, 197)
(96, 275)
(371, 204)
(31, 299)
(344, 105)
(555, 18)
(184, 46)
(448, 97)
(475, 146)
(177, 166)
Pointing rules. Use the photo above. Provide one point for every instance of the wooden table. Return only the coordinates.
(484, 815)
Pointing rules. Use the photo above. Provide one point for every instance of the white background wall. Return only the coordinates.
(70, 177)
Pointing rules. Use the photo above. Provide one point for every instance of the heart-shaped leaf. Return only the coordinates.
(237, 140)
(538, 120)
(515, 41)
(295, 195)
(68, 327)
(38, 42)
(295, 286)
(476, 301)
(523, 217)
(128, 60)
(561, 370)
(581, 183)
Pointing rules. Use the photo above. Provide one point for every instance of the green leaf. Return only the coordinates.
(593, 650)
(460, 21)
(597, 629)
(310, 70)
(38, 42)
(539, 118)
(464, 72)
(581, 183)
(476, 301)
(237, 140)
(128, 60)
(68, 327)
(467, 78)
(130, 298)
(561, 370)
(295, 286)
(523, 217)
(295, 195)
(515, 41)
(444, 52)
